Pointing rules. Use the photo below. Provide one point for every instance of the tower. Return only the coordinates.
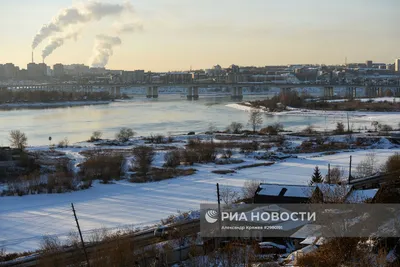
(32, 56)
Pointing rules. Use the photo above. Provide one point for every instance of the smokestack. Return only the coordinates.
(32, 56)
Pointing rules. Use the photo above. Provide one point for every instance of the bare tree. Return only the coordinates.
(18, 139)
(228, 195)
(375, 124)
(249, 188)
(368, 166)
(335, 176)
(255, 119)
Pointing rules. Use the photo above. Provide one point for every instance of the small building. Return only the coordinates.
(280, 194)
(292, 194)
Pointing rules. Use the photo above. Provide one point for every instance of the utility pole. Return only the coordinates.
(217, 240)
(348, 123)
(80, 233)
(351, 157)
(329, 173)
(219, 207)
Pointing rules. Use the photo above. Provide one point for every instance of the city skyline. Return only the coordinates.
(177, 36)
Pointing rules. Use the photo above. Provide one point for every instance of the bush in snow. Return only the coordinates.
(172, 158)
(339, 128)
(235, 127)
(96, 136)
(103, 167)
(143, 157)
(124, 134)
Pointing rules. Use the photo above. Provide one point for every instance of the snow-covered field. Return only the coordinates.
(358, 118)
(24, 220)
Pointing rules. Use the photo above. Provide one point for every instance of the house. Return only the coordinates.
(281, 194)
(293, 194)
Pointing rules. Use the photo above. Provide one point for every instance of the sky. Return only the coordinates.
(184, 34)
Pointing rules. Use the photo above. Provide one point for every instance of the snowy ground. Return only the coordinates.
(24, 220)
(357, 118)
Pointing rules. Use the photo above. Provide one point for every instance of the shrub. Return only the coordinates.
(339, 128)
(206, 152)
(308, 130)
(104, 167)
(269, 130)
(156, 139)
(392, 166)
(143, 158)
(249, 147)
(172, 158)
(124, 134)
(385, 128)
(235, 127)
(194, 142)
(96, 136)
(63, 143)
(18, 139)
(189, 156)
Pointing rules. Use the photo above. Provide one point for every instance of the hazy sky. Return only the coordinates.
(178, 34)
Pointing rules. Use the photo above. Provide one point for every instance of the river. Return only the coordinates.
(167, 114)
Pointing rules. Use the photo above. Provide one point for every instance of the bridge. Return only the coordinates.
(236, 89)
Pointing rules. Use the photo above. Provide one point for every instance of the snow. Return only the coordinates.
(358, 118)
(124, 205)
(307, 231)
(377, 99)
(358, 196)
(292, 190)
(292, 258)
(271, 244)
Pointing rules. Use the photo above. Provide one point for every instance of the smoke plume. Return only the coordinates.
(103, 49)
(128, 27)
(56, 42)
(90, 11)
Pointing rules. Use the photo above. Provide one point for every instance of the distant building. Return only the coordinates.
(2, 72)
(37, 71)
(397, 65)
(178, 77)
(10, 71)
(76, 69)
(58, 70)
(136, 76)
(369, 63)
(97, 71)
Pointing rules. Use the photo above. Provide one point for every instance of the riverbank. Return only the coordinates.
(133, 205)
(39, 105)
(357, 119)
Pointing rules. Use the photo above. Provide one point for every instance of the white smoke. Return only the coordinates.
(56, 42)
(103, 49)
(89, 11)
(128, 27)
